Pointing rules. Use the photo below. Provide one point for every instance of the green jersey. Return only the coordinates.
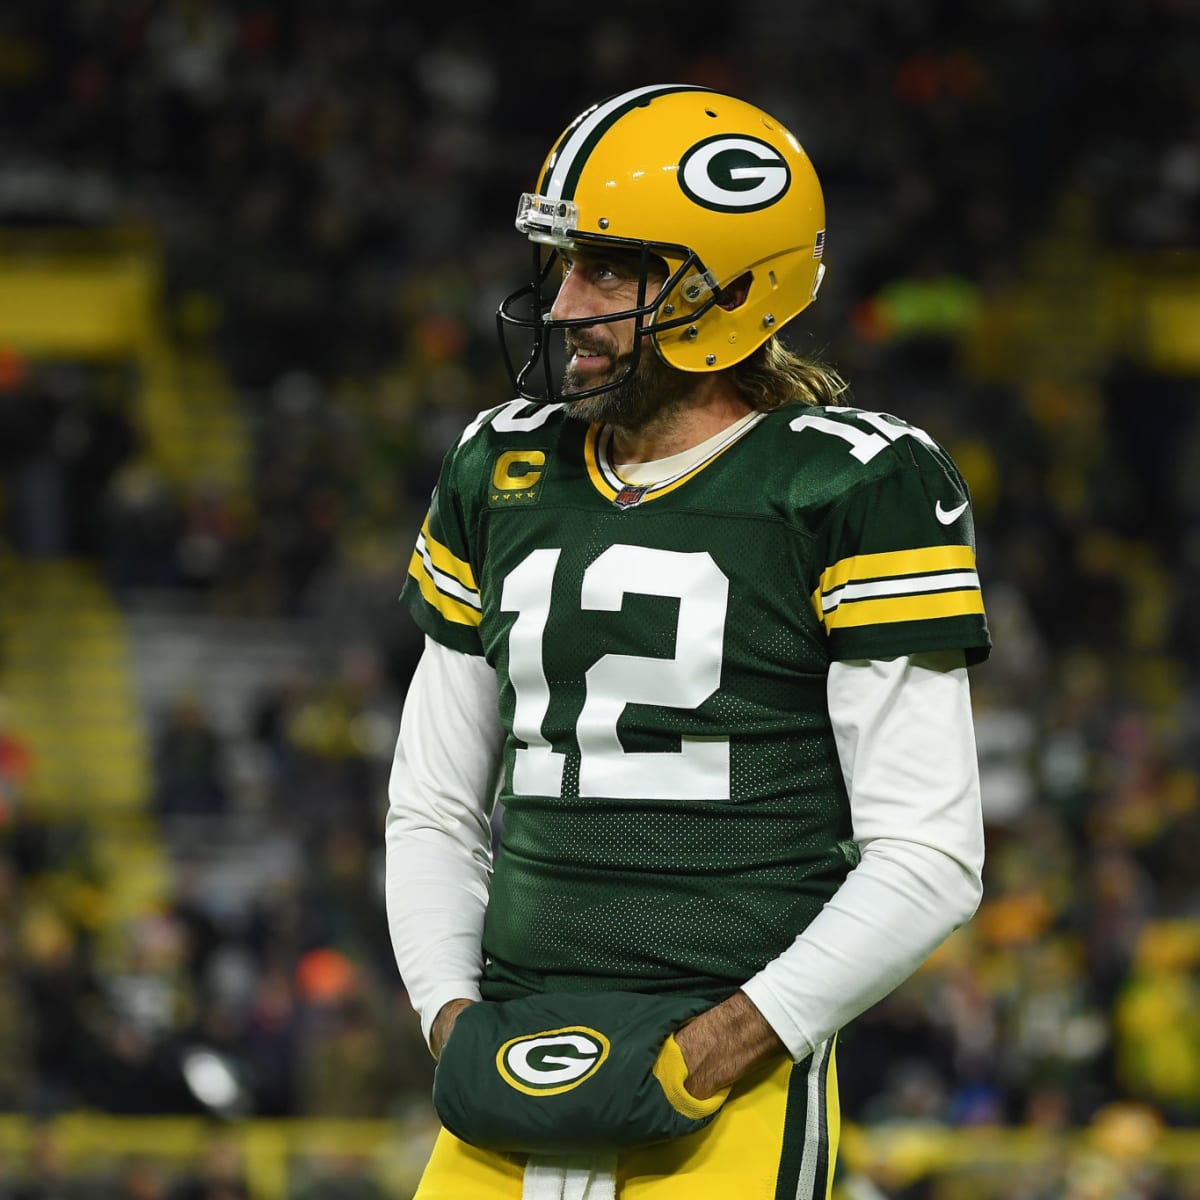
(674, 808)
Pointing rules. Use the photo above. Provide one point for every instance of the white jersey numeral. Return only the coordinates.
(863, 445)
(507, 419)
(700, 769)
(538, 770)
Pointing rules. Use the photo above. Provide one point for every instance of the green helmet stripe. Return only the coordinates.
(576, 145)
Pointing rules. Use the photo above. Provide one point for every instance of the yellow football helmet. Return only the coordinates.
(709, 184)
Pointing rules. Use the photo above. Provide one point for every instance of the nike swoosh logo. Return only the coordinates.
(949, 517)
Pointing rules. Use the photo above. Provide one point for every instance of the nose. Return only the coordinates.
(574, 298)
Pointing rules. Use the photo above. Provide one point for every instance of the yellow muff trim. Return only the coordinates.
(671, 1071)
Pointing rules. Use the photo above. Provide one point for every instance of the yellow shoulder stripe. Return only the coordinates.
(442, 558)
(451, 609)
(884, 611)
(897, 562)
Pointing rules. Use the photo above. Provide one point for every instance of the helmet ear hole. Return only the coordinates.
(733, 294)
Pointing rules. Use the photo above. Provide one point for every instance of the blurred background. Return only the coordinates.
(249, 257)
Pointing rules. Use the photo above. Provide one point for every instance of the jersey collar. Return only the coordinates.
(624, 493)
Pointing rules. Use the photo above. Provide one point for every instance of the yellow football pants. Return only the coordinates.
(775, 1139)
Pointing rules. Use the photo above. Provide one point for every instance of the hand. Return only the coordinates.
(443, 1023)
(723, 1043)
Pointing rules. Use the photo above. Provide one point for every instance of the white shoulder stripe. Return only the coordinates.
(948, 581)
(446, 583)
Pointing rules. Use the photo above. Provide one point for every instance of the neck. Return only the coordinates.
(715, 405)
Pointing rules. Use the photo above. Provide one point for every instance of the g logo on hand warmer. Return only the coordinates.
(553, 1061)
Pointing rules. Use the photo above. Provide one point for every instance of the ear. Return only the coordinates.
(733, 294)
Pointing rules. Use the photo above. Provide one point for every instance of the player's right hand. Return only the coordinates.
(443, 1023)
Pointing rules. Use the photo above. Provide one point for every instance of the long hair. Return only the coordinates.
(774, 376)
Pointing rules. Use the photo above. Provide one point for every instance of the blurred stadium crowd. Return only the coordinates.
(331, 186)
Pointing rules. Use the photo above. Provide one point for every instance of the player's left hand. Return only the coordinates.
(570, 1072)
(723, 1043)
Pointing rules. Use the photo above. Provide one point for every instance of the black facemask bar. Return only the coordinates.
(528, 309)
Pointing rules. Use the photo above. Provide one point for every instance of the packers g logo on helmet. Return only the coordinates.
(734, 174)
(553, 1061)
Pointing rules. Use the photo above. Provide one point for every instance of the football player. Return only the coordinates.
(703, 631)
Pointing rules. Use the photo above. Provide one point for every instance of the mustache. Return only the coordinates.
(587, 344)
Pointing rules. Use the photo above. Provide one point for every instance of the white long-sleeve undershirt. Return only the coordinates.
(906, 743)
(438, 831)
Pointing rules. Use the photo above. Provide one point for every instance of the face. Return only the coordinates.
(597, 285)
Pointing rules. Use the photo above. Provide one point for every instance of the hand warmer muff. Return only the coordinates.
(567, 1072)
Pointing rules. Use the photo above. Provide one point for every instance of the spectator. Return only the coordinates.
(189, 769)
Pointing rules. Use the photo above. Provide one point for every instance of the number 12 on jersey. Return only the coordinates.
(700, 768)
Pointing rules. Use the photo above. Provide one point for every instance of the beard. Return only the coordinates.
(649, 393)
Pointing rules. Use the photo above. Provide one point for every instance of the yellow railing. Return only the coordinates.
(270, 1153)
(920, 1150)
(274, 1156)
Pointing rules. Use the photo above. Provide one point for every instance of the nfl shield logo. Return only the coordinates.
(629, 496)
